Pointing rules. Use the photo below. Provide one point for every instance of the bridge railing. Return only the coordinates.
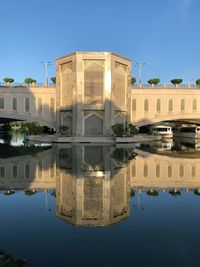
(3, 84)
(163, 86)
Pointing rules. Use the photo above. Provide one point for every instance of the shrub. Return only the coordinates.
(31, 128)
(133, 80)
(154, 81)
(176, 81)
(118, 129)
(53, 79)
(8, 80)
(132, 129)
(198, 82)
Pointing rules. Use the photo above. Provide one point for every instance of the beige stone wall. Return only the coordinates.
(101, 89)
(41, 100)
(185, 104)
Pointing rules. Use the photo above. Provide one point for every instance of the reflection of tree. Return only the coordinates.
(175, 193)
(197, 192)
(30, 192)
(152, 193)
(9, 192)
(132, 193)
(123, 155)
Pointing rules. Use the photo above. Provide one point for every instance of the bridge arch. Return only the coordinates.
(171, 117)
(20, 103)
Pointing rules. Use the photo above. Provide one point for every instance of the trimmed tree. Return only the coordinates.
(198, 82)
(29, 81)
(133, 80)
(8, 80)
(154, 81)
(53, 79)
(176, 82)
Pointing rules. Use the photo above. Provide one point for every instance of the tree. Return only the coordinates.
(28, 80)
(176, 82)
(154, 81)
(198, 82)
(133, 80)
(53, 79)
(8, 80)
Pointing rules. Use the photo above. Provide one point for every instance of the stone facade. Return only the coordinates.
(93, 92)
(27, 103)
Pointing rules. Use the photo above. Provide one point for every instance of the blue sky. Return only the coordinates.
(162, 33)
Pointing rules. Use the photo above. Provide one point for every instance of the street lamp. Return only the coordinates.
(140, 66)
(46, 65)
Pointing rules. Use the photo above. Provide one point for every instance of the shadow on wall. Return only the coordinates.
(95, 119)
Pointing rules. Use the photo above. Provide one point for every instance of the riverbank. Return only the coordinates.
(139, 138)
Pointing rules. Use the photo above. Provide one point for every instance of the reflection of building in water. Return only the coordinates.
(158, 171)
(90, 188)
(93, 182)
(36, 171)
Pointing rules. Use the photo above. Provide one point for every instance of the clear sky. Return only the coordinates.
(162, 33)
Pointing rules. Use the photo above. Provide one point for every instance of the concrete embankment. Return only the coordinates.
(139, 138)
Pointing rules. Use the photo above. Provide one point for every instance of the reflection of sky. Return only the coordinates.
(160, 234)
(164, 231)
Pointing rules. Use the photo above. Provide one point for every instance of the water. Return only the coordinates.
(93, 205)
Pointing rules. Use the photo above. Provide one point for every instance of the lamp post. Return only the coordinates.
(46, 65)
(140, 66)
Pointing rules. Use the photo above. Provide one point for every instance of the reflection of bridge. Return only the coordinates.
(156, 171)
(92, 188)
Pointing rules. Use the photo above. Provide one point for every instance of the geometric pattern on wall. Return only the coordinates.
(66, 84)
(93, 198)
(119, 87)
(93, 81)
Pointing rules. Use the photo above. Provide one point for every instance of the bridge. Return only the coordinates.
(28, 103)
(154, 105)
(94, 92)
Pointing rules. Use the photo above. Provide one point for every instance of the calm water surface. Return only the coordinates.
(93, 205)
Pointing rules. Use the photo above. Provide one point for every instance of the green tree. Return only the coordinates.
(8, 80)
(176, 82)
(53, 79)
(118, 129)
(198, 82)
(154, 81)
(31, 128)
(28, 80)
(133, 80)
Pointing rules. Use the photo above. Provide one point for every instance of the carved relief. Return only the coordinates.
(119, 86)
(93, 81)
(66, 84)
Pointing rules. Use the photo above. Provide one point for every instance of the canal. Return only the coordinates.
(100, 205)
